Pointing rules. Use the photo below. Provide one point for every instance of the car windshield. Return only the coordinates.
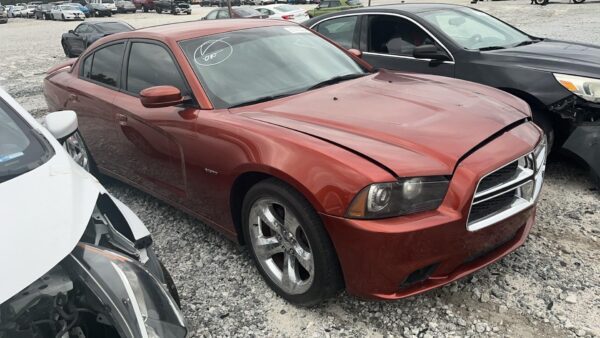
(69, 8)
(108, 2)
(259, 64)
(353, 2)
(21, 148)
(475, 30)
(285, 8)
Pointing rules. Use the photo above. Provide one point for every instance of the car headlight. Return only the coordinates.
(403, 197)
(585, 87)
(140, 305)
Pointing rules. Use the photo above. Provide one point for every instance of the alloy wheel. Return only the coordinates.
(76, 149)
(281, 246)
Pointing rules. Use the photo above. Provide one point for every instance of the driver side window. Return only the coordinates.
(82, 29)
(395, 36)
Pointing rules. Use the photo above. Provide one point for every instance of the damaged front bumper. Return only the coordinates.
(583, 137)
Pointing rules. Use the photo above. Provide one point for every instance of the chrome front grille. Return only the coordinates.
(508, 190)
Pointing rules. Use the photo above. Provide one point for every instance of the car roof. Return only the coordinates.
(194, 29)
(408, 7)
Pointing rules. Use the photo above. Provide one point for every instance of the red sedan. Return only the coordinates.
(333, 174)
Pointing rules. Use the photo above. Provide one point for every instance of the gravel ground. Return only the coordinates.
(549, 287)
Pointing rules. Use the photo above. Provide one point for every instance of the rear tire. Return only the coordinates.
(285, 257)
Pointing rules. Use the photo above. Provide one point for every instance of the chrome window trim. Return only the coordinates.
(400, 16)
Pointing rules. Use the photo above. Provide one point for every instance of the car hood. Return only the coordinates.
(555, 56)
(410, 124)
(43, 219)
(72, 12)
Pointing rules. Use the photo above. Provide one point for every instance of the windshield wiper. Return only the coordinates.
(491, 48)
(262, 99)
(527, 42)
(336, 79)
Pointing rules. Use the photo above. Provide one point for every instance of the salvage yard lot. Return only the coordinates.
(549, 287)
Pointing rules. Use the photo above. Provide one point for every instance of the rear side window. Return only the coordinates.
(212, 15)
(145, 56)
(340, 30)
(223, 15)
(106, 65)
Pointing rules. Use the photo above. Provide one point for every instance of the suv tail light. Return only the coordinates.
(288, 17)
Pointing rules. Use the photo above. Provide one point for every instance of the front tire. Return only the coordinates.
(289, 244)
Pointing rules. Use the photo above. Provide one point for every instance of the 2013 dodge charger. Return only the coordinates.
(333, 174)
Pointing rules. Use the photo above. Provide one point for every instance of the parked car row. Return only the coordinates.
(73, 9)
(223, 3)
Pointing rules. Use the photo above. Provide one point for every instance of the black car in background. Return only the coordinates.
(560, 80)
(238, 12)
(76, 41)
(42, 12)
(172, 6)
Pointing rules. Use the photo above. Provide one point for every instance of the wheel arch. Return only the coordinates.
(246, 179)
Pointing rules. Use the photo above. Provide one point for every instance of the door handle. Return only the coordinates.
(122, 119)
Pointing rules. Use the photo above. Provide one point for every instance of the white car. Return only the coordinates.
(66, 12)
(15, 11)
(75, 261)
(28, 11)
(284, 12)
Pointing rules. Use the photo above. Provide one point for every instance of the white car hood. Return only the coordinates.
(44, 214)
(72, 12)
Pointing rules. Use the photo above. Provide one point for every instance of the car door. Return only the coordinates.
(388, 41)
(92, 96)
(150, 139)
(76, 40)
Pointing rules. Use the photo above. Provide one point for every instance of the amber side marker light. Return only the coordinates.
(357, 208)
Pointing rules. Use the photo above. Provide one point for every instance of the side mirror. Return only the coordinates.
(61, 124)
(71, 31)
(430, 52)
(160, 96)
(355, 52)
(203, 18)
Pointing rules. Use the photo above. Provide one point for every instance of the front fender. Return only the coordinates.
(584, 142)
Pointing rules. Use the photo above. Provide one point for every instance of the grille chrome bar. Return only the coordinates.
(515, 193)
